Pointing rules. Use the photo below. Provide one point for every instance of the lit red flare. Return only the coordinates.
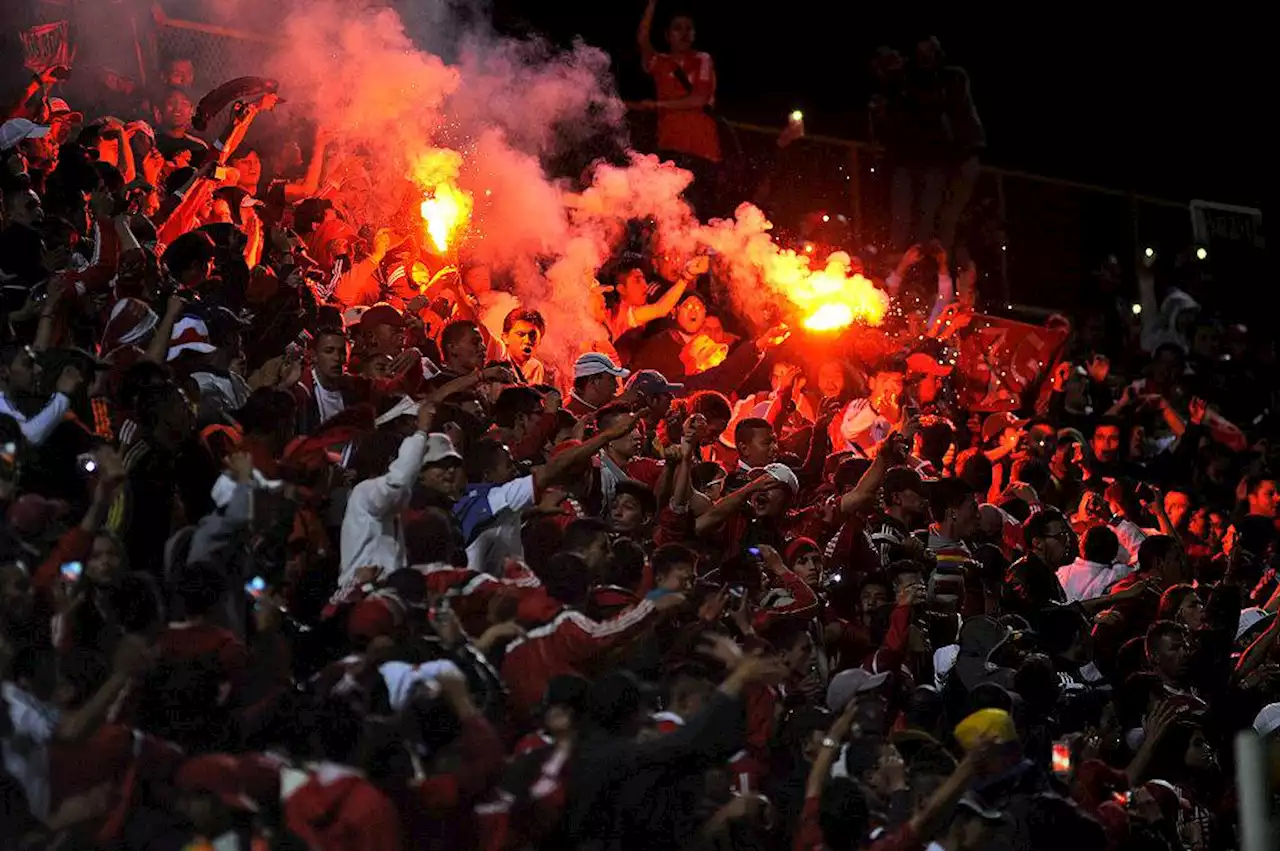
(445, 213)
(828, 299)
(445, 208)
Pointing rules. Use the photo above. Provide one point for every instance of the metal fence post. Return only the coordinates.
(855, 194)
(1256, 830)
(1135, 235)
(1005, 290)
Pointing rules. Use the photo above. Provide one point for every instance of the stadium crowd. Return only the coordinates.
(306, 546)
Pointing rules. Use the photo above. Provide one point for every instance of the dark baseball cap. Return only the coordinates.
(650, 382)
(381, 314)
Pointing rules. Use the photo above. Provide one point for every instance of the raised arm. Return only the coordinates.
(682, 486)
(463, 383)
(238, 126)
(930, 817)
(910, 258)
(381, 497)
(946, 286)
(311, 181)
(357, 284)
(37, 429)
(831, 743)
(158, 348)
(46, 328)
(667, 303)
(781, 401)
(644, 35)
(128, 170)
(864, 492)
(192, 196)
(562, 466)
(716, 731)
(731, 504)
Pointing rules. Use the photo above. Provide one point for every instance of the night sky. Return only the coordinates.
(1167, 108)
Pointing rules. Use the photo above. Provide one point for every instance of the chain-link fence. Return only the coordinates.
(217, 53)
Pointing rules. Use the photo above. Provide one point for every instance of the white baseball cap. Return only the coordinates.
(60, 109)
(440, 447)
(784, 474)
(597, 363)
(1268, 720)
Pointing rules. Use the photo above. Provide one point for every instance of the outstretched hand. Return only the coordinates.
(620, 427)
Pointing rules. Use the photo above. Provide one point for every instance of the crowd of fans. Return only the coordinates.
(306, 547)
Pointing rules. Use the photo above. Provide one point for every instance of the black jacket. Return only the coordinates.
(625, 794)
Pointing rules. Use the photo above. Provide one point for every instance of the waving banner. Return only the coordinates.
(999, 359)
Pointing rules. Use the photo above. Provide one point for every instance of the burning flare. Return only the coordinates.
(829, 299)
(829, 317)
(445, 209)
(445, 212)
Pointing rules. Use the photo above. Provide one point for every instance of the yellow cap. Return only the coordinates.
(994, 724)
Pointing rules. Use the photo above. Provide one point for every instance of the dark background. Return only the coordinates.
(1163, 105)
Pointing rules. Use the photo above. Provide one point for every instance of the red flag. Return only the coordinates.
(1000, 358)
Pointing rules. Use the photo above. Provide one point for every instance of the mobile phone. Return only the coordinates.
(1061, 758)
(220, 172)
(255, 587)
(440, 611)
(86, 463)
(8, 460)
(71, 571)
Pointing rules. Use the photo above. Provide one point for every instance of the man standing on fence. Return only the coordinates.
(968, 138)
(685, 81)
(926, 119)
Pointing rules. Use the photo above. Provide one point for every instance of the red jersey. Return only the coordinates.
(688, 131)
(647, 471)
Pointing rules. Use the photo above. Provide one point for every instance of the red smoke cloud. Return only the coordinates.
(506, 106)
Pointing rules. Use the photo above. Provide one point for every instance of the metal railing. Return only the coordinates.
(1034, 238)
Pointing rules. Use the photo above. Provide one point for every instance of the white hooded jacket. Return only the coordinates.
(1084, 580)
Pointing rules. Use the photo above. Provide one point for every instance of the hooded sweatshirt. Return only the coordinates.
(1162, 327)
(1084, 580)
